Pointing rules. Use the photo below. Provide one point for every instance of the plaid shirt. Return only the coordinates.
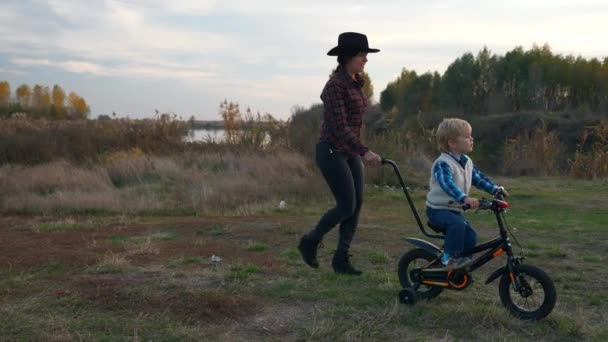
(344, 103)
(443, 173)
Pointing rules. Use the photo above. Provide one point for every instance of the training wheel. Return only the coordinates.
(407, 296)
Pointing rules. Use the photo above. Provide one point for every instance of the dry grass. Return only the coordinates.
(37, 141)
(143, 247)
(536, 153)
(131, 181)
(591, 157)
(411, 151)
(224, 179)
(111, 263)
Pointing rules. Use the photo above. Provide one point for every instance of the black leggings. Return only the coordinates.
(344, 175)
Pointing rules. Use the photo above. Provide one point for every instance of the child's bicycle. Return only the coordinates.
(525, 290)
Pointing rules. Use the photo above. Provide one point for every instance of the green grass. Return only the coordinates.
(119, 239)
(593, 259)
(261, 293)
(257, 246)
(557, 252)
(193, 260)
(15, 280)
(291, 253)
(68, 226)
(163, 236)
(215, 230)
(244, 271)
(377, 258)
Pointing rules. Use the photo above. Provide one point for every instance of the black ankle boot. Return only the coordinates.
(308, 248)
(341, 264)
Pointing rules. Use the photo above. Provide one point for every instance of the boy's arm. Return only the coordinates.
(482, 182)
(443, 174)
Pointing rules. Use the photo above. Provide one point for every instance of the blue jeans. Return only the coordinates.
(459, 235)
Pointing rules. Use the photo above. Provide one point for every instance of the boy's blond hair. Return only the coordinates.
(450, 129)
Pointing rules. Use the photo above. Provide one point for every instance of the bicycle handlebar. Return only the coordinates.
(484, 204)
(497, 203)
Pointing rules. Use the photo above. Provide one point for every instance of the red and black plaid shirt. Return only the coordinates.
(344, 103)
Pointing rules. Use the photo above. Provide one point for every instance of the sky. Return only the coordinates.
(185, 57)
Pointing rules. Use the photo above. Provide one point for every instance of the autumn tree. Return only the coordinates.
(232, 117)
(24, 95)
(41, 101)
(5, 94)
(78, 108)
(58, 110)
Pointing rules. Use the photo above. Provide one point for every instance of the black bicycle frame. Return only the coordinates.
(496, 246)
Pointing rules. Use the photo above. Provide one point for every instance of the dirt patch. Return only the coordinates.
(21, 247)
(211, 307)
(279, 320)
(136, 293)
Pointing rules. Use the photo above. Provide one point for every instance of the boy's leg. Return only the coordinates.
(455, 226)
(470, 238)
(455, 232)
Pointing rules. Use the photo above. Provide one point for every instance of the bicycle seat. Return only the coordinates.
(436, 228)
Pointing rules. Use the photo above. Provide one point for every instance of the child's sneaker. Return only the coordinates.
(456, 263)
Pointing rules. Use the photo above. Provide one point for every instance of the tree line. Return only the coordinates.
(521, 80)
(42, 102)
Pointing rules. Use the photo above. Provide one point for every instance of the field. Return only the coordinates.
(107, 276)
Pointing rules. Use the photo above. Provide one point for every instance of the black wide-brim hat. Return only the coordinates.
(351, 42)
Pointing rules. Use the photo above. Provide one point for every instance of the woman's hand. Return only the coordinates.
(372, 159)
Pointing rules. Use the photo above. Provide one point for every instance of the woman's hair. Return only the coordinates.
(345, 57)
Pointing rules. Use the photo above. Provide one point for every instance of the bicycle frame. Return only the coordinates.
(496, 246)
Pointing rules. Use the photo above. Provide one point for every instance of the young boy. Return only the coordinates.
(452, 175)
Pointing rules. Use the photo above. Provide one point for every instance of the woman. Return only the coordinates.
(339, 151)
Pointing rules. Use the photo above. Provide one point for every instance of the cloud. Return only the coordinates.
(30, 62)
(71, 66)
(201, 7)
(12, 71)
(269, 53)
(82, 67)
(120, 37)
(162, 72)
(167, 71)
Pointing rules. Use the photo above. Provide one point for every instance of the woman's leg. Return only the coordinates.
(349, 225)
(341, 262)
(337, 174)
(339, 177)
